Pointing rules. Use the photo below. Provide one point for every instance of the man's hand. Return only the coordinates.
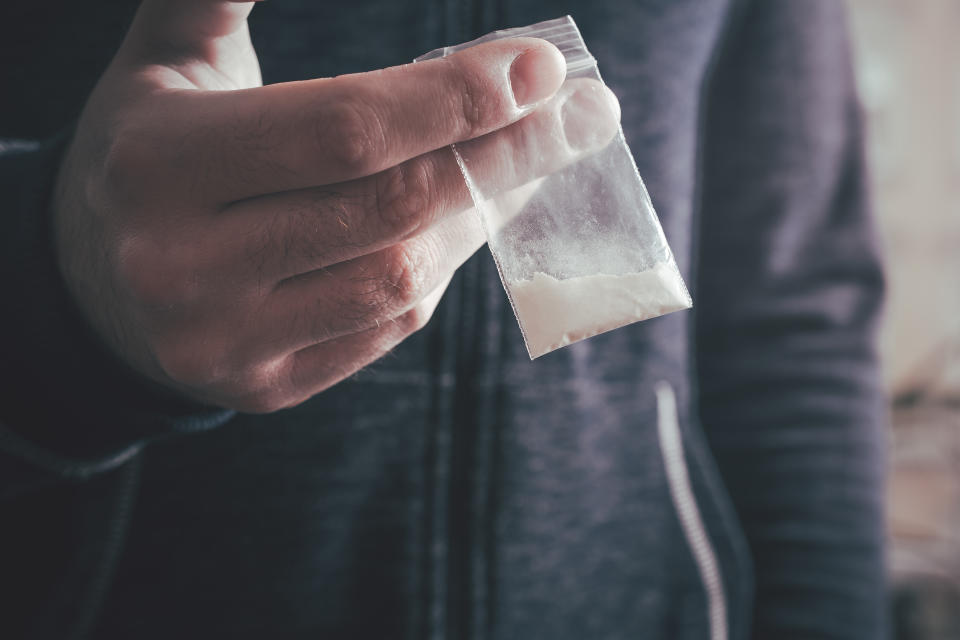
(251, 246)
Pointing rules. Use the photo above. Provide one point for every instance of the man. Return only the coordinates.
(196, 243)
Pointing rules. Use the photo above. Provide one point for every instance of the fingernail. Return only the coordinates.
(536, 74)
(590, 117)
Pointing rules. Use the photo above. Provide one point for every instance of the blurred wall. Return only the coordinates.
(907, 55)
(908, 61)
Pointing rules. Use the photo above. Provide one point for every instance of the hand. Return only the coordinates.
(250, 246)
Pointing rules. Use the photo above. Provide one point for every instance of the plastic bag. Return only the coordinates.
(580, 251)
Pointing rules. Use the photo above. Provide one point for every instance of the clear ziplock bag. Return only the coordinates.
(580, 250)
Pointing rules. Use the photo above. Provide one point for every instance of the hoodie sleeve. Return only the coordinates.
(789, 291)
(68, 408)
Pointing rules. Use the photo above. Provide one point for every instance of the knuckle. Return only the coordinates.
(351, 134)
(415, 319)
(406, 273)
(187, 361)
(253, 387)
(394, 285)
(403, 195)
(262, 389)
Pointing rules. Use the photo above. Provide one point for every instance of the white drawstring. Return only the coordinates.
(688, 512)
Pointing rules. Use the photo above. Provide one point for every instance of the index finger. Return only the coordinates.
(311, 133)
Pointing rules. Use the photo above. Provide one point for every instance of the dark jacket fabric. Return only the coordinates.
(710, 474)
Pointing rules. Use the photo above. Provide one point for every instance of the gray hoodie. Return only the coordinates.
(713, 474)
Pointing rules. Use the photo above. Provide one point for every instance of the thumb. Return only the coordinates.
(184, 28)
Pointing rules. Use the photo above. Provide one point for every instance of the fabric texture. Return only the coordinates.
(454, 489)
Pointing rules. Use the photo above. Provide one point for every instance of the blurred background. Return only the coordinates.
(907, 54)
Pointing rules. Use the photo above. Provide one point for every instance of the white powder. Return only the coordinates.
(554, 313)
